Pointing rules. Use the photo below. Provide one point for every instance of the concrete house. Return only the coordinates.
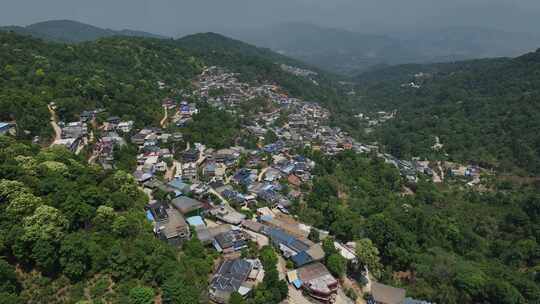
(169, 224)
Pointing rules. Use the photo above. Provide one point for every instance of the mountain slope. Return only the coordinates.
(118, 73)
(84, 228)
(454, 43)
(484, 111)
(349, 52)
(259, 64)
(121, 74)
(72, 31)
(77, 233)
(335, 50)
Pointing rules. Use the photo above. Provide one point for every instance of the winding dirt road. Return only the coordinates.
(163, 121)
(54, 124)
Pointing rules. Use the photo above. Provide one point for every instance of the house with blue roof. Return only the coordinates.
(300, 252)
(244, 177)
(301, 259)
(178, 184)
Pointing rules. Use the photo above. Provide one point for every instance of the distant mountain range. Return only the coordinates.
(349, 52)
(335, 50)
(72, 31)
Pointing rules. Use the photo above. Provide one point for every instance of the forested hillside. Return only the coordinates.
(72, 31)
(79, 233)
(483, 111)
(258, 64)
(119, 74)
(72, 232)
(443, 244)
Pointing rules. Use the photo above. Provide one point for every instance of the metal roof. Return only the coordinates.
(231, 275)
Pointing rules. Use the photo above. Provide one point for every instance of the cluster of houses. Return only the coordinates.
(111, 139)
(152, 157)
(222, 89)
(73, 135)
(296, 71)
(212, 193)
(376, 118)
(217, 178)
(183, 111)
(305, 124)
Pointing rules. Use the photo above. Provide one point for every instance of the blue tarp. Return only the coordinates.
(195, 221)
(297, 283)
(149, 216)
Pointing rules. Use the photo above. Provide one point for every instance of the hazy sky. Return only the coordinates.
(176, 17)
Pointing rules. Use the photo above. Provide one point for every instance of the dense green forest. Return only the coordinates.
(119, 74)
(484, 111)
(72, 232)
(217, 129)
(79, 233)
(434, 241)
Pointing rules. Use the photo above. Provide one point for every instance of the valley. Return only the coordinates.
(205, 169)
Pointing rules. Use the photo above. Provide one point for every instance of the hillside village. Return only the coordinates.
(235, 198)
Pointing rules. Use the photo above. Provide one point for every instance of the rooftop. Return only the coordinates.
(186, 204)
(317, 278)
(175, 225)
(387, 294)
(231, 275)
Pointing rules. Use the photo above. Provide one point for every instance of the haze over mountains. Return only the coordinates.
(72, 31)
(348, 52)
(336, 50)
(431, 169)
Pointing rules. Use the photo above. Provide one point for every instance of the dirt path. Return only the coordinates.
(92, 159)
(348, 283)
(54, 124)
(442, 171)
(219, 196)
(295, 295)
(169, 174)
(163, 121)
(81, 146)
(263, 171)
(406, 191)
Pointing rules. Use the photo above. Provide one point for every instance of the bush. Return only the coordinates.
(141, 295)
